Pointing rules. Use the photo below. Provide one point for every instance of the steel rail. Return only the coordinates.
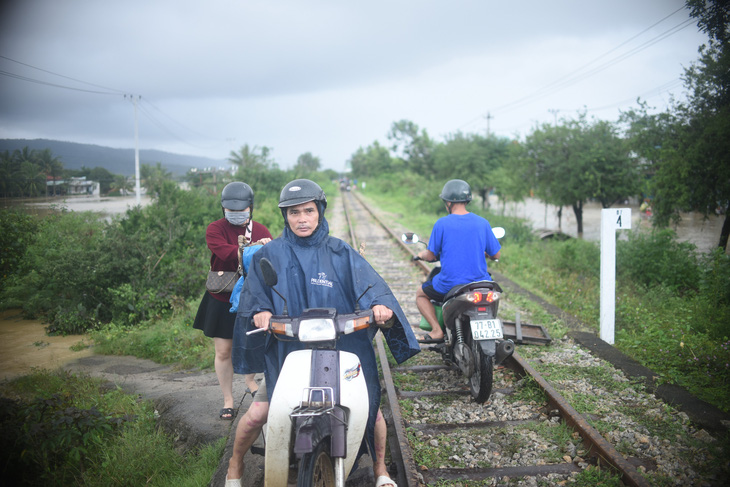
(594, 442)
(400, 452)
(592, 439)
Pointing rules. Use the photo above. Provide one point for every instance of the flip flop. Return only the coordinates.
(233, 482)
(385, 480)
(427, 339)
(227, 414)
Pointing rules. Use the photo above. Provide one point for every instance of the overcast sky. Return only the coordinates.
(327, 76)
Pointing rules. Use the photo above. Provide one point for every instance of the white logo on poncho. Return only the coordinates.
(321, 280)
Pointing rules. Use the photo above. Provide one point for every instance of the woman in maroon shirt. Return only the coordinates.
(213, 315)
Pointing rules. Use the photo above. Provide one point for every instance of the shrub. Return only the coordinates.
(16, 232)
(575, 256)
(48, 439)
(657, 259)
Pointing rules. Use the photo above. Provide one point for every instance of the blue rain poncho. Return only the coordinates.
(316, 271)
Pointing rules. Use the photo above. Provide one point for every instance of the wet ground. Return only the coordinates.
(24, 345)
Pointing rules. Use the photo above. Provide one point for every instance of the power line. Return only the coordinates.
(111, 91)
(572, 79)
(60, 76)
(55, 85)
(576, 76)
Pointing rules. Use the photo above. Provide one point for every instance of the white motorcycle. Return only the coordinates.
(319, 409)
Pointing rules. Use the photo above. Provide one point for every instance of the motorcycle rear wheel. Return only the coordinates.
(316, 469)
(480, 382)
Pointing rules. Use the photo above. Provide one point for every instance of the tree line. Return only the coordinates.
(677, 158)
(26, 173)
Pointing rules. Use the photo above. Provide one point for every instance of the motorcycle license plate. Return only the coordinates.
(486, 329)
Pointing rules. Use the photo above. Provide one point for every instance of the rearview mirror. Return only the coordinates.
(267, 269)
(409, 238)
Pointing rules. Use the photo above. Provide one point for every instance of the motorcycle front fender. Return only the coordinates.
(293, 378)
(489, 347)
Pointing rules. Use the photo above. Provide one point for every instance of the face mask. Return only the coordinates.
(237, 218)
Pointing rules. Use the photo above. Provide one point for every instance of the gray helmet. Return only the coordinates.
(237, 196)
(302, 191)
(456, 191)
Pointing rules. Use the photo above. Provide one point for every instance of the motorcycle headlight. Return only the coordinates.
(317, 330)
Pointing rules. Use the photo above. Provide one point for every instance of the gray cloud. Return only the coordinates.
(320, 76)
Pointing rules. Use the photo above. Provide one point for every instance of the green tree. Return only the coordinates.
(414, 147)
(251, 157)
(50, 165)
(153, 177)
(33, 180)
(8, 168)
(307, 163)
(512, 180)
(689, 165)
(473, 158)
(614, 174)
(373, 160)
(578, 161)
(122, 184)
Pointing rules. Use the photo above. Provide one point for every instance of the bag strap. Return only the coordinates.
(241, 245)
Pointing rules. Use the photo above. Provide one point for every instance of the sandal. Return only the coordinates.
(427, 339)
(227, 414)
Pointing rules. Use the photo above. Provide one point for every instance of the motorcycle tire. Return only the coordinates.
(316, 469)
(481, 380)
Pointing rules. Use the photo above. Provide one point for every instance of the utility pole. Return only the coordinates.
(488, 116)
(136, 152)
(135, 99)
(554, 111)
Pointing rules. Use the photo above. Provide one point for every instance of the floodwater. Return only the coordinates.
(106, 207)
(24, 346)
(693, 228)
(24, 343)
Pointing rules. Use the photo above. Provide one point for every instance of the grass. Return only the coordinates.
(74, 430)
(656, 327)
(681, 336)
(169, 341)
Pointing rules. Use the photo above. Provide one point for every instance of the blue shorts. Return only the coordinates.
(433, 294)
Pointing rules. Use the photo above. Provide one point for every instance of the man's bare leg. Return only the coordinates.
(248, 429)
(250, 380)
(381, 433)
(425, 307)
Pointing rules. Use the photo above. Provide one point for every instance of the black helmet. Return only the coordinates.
(302, 191)
(456, 191)
(237, 196)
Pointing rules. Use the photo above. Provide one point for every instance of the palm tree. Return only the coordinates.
(32, 178)
(122, 183)
(8, 169)
(50, 165)
(154, 177)
(249, 158)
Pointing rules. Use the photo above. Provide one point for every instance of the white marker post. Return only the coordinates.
(612, 219)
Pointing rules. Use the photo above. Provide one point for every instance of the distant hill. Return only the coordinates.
(116, 161)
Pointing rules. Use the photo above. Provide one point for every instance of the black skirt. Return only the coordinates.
(214, 318)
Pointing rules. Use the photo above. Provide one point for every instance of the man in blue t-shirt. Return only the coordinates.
(460, 240)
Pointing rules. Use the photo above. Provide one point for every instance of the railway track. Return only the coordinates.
(526, 434)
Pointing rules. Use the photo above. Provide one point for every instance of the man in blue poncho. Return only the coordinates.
(315, 270)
